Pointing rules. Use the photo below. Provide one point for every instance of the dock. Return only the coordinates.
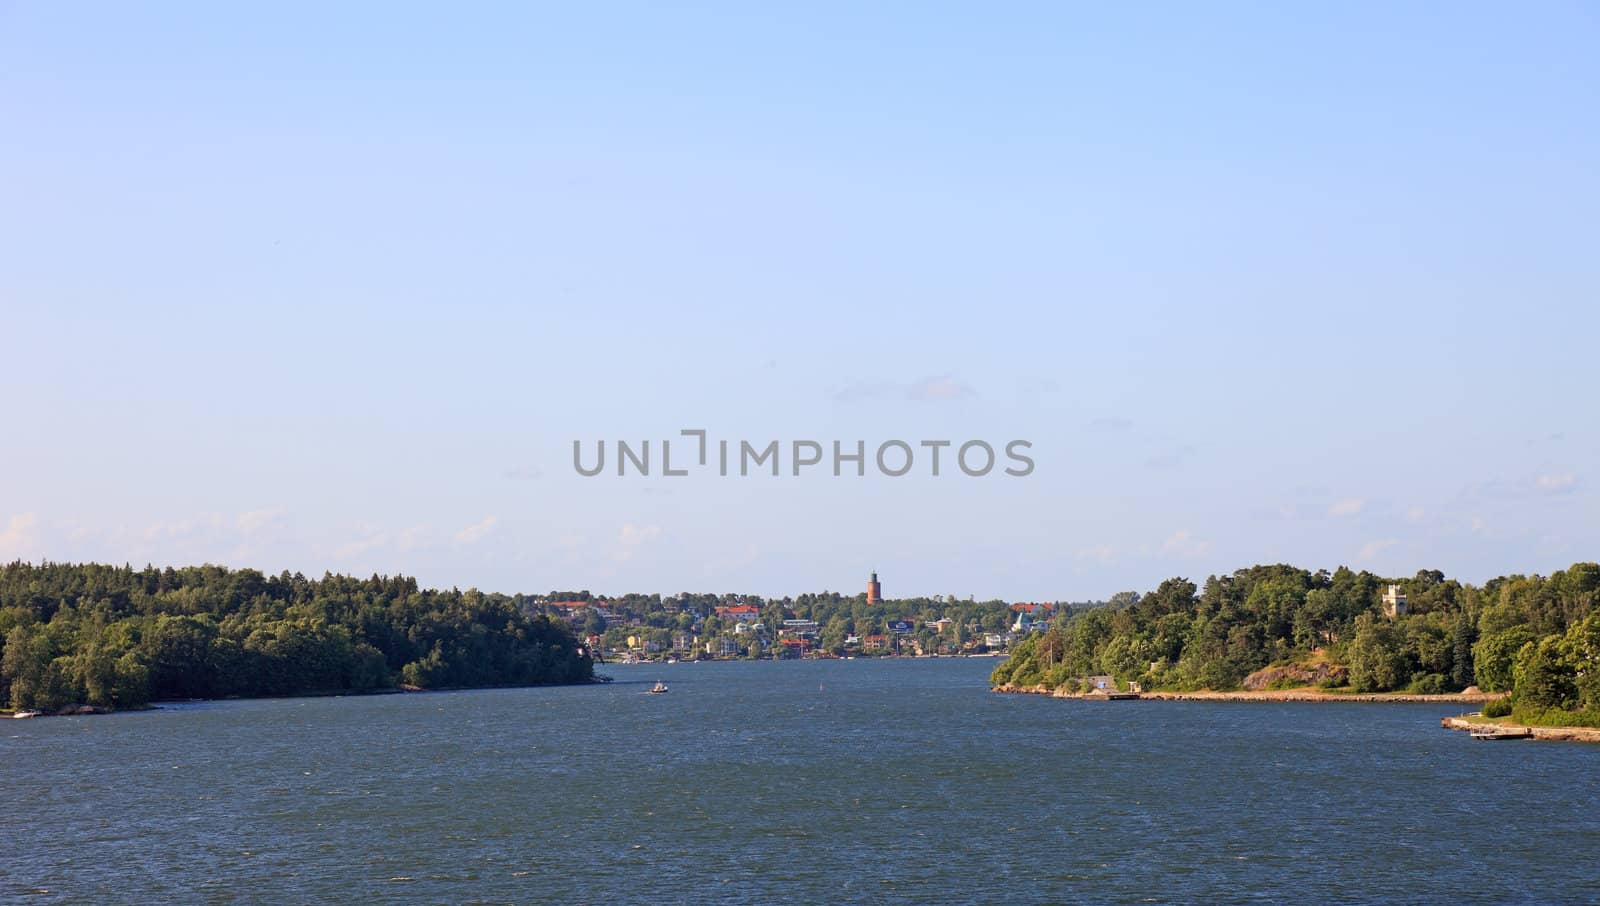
(1489, 731)
(1497, 733)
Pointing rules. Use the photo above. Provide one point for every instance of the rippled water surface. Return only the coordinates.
(844, 781)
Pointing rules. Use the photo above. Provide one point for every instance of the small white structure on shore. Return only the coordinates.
(1394, 602)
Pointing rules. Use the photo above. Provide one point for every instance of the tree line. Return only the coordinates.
(1537, 637)
(119, 637)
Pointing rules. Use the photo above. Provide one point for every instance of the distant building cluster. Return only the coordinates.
(687, 627)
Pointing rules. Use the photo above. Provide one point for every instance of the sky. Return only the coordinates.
(319, 287)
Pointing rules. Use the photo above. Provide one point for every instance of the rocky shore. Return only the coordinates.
(1564, 734)
(1275, 695)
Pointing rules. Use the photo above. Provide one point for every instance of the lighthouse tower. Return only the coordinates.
(874, 592)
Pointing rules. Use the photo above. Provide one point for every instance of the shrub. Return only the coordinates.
(1500, 707)
(1430, 684)
(1534, 716)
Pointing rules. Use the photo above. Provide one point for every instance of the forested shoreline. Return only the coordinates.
(118, 637)
(1536, 637)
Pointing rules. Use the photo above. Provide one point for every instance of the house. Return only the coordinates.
(740, 613)
(993, 639)
(852, 641)
(1026, 622)
(940, 625)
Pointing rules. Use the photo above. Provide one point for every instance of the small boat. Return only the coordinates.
(659, 688)
(19, 715)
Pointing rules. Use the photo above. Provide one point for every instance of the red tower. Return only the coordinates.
(874, 593)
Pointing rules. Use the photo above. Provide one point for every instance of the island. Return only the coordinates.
(1526, 646)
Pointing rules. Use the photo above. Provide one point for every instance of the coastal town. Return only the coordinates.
(641, 628)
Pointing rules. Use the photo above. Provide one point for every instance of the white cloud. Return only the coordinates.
(1546, 484)
(941, 387)
(20, 539)
(1183, 543)
(1372, 549)
(1100, 553)
(376, 539)
(361, 546)
(476, 532)
(937, 387)
(1555, 483)
(411, 538)
(1350, 506)
(255, 520)
(631, 539)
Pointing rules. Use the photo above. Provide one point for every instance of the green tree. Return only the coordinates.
(1545, 676)
(1377, 656)
(1495, 656)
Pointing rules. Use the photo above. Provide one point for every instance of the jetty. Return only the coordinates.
(1105, 695)
(1494, 733)
(1491, 731)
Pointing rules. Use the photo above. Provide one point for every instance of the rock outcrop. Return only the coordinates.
(1297, 675)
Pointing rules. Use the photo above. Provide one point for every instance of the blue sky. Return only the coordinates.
(315, 289)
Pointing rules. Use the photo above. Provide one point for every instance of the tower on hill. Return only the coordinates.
(874, 592)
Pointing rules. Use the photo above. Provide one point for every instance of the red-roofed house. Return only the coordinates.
(741, 613)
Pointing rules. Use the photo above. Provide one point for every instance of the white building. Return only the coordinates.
(1394, 602)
